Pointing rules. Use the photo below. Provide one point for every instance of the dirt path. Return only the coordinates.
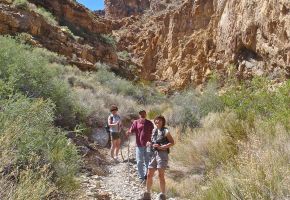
(115, 185)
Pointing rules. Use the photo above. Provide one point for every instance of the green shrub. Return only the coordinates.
(97, 98)
(123, 55)
(142, 94)
(67, 29)
(37, 153)
(32, 72)
(255, 98)
(188, 107)
(33, 185)
(22, 4)
(210, 101)
(108, 39)
(47, 15)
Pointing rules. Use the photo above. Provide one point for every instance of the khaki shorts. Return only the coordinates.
(115, 135)
(159, 160)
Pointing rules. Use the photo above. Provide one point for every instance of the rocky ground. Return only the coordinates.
(119, 183)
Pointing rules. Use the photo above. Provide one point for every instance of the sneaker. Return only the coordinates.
(161, 196)
(145, 196)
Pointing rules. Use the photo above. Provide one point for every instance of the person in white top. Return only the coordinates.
(114, 122)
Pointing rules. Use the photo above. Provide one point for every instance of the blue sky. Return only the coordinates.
(93, 4)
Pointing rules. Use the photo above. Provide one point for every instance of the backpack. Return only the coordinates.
(161, 140)
(107, 127)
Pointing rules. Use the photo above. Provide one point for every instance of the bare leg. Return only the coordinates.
(161, 173)
(113, 146)
(118, 145)
(149, 180)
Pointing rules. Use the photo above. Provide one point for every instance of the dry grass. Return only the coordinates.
(220, 165)
(6, 188)
(97, 98)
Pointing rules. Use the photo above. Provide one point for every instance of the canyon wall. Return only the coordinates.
(185, 43)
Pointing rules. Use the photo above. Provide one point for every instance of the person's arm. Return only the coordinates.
(152, 131)
(168, 145)
(149, 143)
(132, 128)
(110, 122)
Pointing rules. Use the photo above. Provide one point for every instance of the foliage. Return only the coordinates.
(123, 55)
(22, 4)
(241, 153)
(108, 39)
(188, 107)
(256, 98)
(34, 151)
(222, 163)
(47, 15)
(68, 30)
(143, 94)
(32, 73)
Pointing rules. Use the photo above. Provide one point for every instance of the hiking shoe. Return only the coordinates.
(145, 196)
(161, 196)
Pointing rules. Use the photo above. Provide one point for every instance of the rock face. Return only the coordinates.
(117, 9)
(180, 42)
(186, 42)
(76, 16)
(83, 52)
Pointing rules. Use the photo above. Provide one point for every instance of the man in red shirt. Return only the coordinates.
(142, 128)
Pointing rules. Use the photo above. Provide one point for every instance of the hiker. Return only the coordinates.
(114, 122)
(142, 128)
(161, 141)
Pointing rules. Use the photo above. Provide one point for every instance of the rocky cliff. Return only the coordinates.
(117, 9)
(78, 34)
(177, 42)
(184, 43)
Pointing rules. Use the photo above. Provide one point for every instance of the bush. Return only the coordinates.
(22, 4)
(46, 15)
(259, 172)
(66, 29)
(256, 98)
(227, 159)
(34, 152)
(188, 107)
(108, 39)
(32, 73)
(97, 98)
(142, 94)
(241, 153)
(123, 55)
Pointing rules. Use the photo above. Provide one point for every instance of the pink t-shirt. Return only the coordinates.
(143, 130)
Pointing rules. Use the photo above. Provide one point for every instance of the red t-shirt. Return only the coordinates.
(143, 130)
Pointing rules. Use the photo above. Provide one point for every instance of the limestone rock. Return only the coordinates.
(117, 9)
(70, 13)
(186, 42)
(81, 52)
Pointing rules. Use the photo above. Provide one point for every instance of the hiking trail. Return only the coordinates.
(114, 185)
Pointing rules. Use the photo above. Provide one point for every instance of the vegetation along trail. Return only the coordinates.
(218, 71)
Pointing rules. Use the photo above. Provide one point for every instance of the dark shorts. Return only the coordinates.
(115, 135)
(159, 160)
